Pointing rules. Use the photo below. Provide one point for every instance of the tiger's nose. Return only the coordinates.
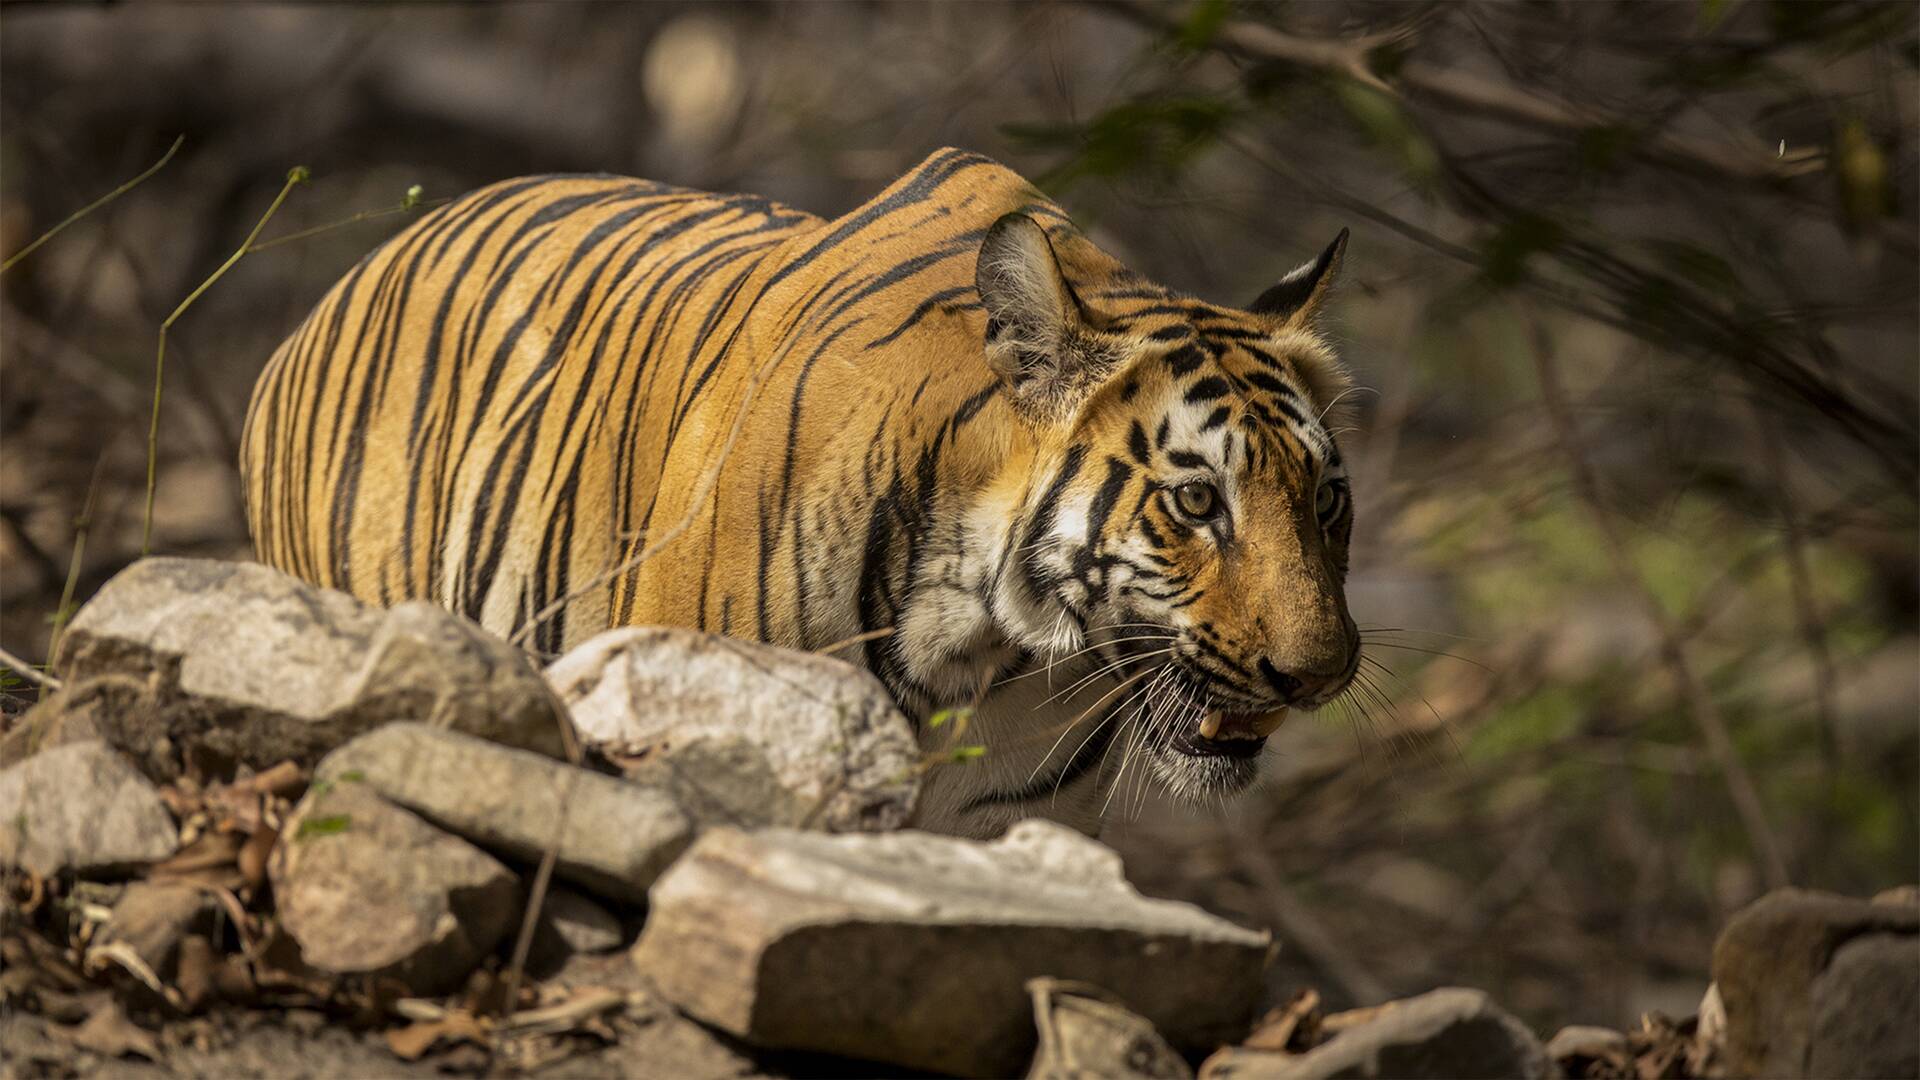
(1295, 687)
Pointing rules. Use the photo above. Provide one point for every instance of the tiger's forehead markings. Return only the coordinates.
(1216, 379)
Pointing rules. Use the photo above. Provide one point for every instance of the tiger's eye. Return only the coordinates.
(1197, 499)
(1324, 499)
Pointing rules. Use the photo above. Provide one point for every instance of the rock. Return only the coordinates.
(744, 733)
(1089, 1034)
(1908, 895)
(1447, 1033)
(914, 949)
(1796, 1006)
(83, 808)
(152, 917)
(68, 716)
(246, 664)
(367, 888)
(614, 837)
(1866, 1009)
(581, 925)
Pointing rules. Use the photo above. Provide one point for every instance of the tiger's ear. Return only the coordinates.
(1036, 331)
(1299, 295)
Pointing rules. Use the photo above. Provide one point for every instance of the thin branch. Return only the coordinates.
(297, 175)
(96, 204)
(1800, 579)
(406, 206)
(1298, 924)
(1699, 701)
(856, 639)
(81, 526)
(1473, 94)
(28, 671)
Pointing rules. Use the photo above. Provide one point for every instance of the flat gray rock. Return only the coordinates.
(81, 808)
(614, 837)
(915, 949)
(1816, 984)
(367, 888)
(1452, 1033)
(744, 733)
(239, 660)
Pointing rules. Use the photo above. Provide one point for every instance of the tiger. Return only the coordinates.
(1090, 533)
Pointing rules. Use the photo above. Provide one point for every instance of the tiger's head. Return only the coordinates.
(1186, 519)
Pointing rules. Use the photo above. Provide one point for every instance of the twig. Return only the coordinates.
(1800, 579)
(406, 206)
(589, 1001)
(297, 175)
(1468, 93)
(530, 921)
(857, 639)
(543, 877)
(1298, 924)
(1699, 701)
(96, 204)
(81, 526)
(28, 671)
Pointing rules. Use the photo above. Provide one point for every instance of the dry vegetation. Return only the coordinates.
(1633, 295)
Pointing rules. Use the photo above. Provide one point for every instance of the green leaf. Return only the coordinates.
(941, 718)
(325, 825)
(1203, 23)
(966, 753)
(1387, 124)
(1504, 255)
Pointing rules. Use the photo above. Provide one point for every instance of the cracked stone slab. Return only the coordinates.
(916, 949)
(613, 836)
(244, 663)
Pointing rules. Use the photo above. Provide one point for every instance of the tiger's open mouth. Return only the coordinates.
(1221, 733)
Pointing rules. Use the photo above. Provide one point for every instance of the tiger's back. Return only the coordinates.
(507, 404)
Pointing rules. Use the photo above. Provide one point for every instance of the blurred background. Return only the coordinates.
(1631, 290)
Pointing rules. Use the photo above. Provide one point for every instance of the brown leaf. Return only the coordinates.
(194, 972)
(1295, 1026)
(211, 859)
(108, 1031)
(413, 1041)
(252, 858)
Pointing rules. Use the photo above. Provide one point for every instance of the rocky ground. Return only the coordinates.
(260, 829)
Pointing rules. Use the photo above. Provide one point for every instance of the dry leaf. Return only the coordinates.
(109, 1032)
(1294, 1026)
(413, 1041)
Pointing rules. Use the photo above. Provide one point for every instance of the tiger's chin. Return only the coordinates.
(1219, 757)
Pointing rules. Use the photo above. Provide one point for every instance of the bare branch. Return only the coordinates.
(1468, 93)
(1693, 691)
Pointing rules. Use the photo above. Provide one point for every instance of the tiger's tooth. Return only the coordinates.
(1266, 725)
(1210, 725)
